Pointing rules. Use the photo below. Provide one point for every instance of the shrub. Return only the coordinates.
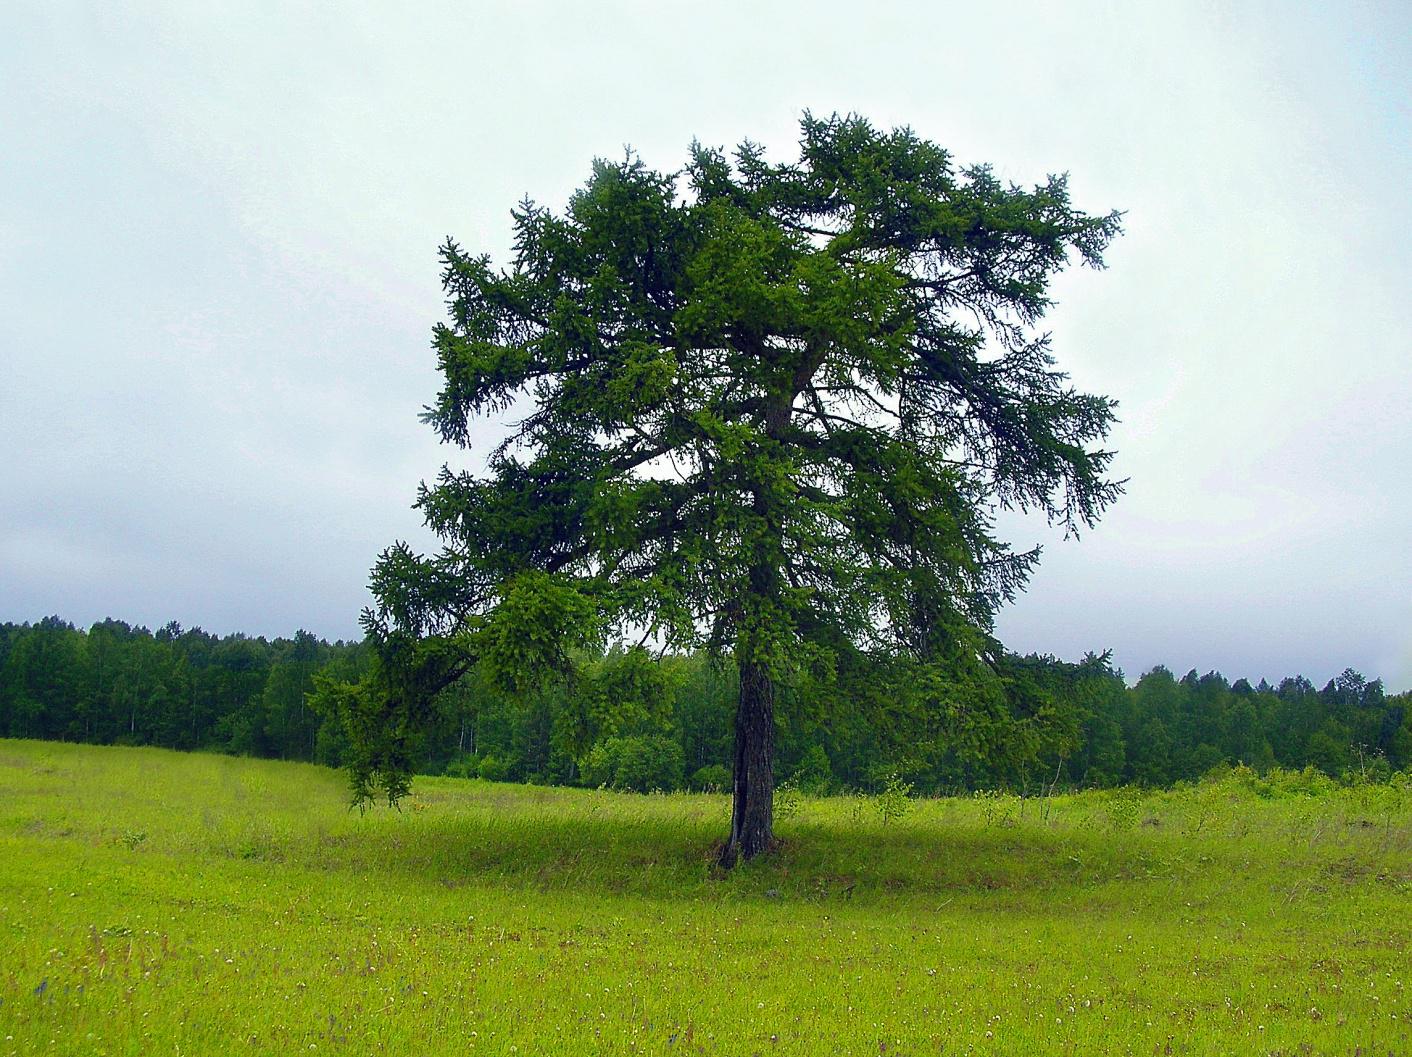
(895, 800)
(814, 775)
(1309, 782)
(464, 765)
(493, 770)
(713, 778)
(1123, 808)
(788, 801)
(997, 808)
(642, 764)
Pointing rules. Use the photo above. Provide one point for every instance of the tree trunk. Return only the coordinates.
(753, 810)
(752, 815)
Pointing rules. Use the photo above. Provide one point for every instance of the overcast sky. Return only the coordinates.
(218, 277)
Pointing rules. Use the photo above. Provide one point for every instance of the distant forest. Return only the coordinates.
(634, 721)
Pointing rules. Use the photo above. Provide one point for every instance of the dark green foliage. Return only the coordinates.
(193, 690)
(117, 684)
(713, 778)
(814, 775)
(641, 763)
(765, 410)
(492, 769)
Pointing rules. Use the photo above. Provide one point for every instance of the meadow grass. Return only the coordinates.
(153, 902)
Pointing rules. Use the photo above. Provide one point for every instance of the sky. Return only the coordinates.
(218, 279)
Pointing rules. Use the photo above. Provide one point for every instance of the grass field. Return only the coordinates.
(158, 903)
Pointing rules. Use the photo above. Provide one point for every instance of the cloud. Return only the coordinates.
(217, 247)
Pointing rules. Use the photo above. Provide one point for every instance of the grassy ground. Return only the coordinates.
(152, 902)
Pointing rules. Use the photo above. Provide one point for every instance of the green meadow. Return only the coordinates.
(159, 903)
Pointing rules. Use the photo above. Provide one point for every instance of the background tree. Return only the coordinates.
(633, 721)
(768, 408)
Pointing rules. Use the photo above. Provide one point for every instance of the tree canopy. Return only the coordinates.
(769, 409)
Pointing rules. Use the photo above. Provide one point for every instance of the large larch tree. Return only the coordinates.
(770, 410)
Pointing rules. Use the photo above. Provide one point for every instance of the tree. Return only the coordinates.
(767, 408)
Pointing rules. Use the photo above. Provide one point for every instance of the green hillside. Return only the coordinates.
(157, 902)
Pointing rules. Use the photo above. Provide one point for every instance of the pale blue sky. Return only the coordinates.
(218, 226)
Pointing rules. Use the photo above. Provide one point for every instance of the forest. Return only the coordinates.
(635, 721)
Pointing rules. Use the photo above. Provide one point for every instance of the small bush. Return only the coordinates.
(642, 764)
(1123, 808)
(997, 808)
(493, 770)
(1203, 804)
(1309, 782)
(788, 801)
(895, 800)
(713, 778)
(465, 765)
(814, 775)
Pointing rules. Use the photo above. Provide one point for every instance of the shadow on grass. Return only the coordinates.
(670, 857)
(456, 833)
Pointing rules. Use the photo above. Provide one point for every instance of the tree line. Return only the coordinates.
(631, 720)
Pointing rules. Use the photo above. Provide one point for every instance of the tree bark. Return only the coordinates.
(753, 808)
(752, 813)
